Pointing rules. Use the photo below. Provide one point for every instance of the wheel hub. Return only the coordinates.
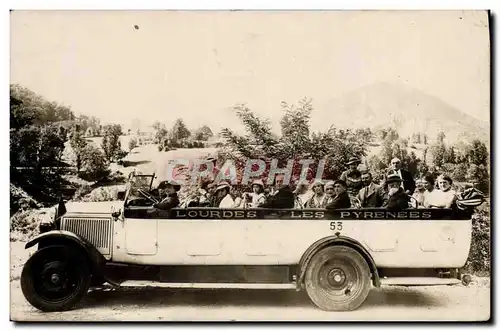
(336, 277)
(55, 278)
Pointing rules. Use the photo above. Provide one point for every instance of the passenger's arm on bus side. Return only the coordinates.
(451, 201)
(359, 196)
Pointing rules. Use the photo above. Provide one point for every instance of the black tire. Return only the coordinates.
(55, 279)
(338, 279)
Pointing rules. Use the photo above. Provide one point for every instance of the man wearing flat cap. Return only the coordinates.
(341, 199)
(395, 198)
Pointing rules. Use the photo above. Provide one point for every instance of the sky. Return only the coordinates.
(197, 65)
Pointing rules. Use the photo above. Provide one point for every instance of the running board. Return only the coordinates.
(418, 281)
(146, 283)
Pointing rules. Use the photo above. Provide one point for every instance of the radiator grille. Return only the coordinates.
(96, 230)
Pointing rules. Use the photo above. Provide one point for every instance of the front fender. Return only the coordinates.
(69, 238)
(336, 240)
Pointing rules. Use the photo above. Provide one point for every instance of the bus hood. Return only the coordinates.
(105, 207)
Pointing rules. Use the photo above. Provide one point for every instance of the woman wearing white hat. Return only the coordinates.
(318, 199)
(257, 197)
(302, 194)
(223, 198)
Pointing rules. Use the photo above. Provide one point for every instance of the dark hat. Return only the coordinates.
(353, 160)
(166, 183)
(341, 182)
(393, 178)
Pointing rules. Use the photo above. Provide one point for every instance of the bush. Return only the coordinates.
(25, 224)
(111, 144)
(132, 143)
(94, 164)
(81, 192)
(106, 193)
(20, 200)
(479, 176)
(479, 260)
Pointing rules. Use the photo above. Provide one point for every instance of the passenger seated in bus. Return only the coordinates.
(281, 197)
(223, 198)
(371, 195)
(352, 177)
(408, 183)
(257, 197)
(171, 200)
(395, 198)
(318, 199)
(430, 189)
(209, 198)
(419, 195)
(329, 192)
(341, 199)
(302, 194)
(237, 196)
(445, 196)
(160, 191)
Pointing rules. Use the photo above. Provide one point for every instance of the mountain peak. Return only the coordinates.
(404, 108)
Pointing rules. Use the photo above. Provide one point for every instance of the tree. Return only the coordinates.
(438, 152)
(132, 143)
(296, 142)
(160, 136)
(78, 144)
(28, 108)
(21, 115)
(179, 131)
(94, 164)
(440, 137)
(412, 164)
(157, 125)
(111, 142)
(460, 172)
(479, 176)
(377, 168)
(417, 138)
(449, 156)
(37, 147)
(477, 153)
(203, 133)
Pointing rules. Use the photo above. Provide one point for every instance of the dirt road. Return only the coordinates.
(448, 303)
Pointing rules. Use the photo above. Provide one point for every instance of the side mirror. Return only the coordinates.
(116, 214)
(121, 195)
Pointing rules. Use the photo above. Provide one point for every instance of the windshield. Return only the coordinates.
(136, 183)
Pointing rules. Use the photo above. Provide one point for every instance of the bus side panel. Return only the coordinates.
(392, 243)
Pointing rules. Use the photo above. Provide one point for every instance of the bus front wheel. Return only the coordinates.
(338, 279)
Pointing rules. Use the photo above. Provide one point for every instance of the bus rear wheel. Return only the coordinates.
(338, 279)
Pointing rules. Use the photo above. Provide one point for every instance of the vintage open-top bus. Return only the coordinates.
(335, 255)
